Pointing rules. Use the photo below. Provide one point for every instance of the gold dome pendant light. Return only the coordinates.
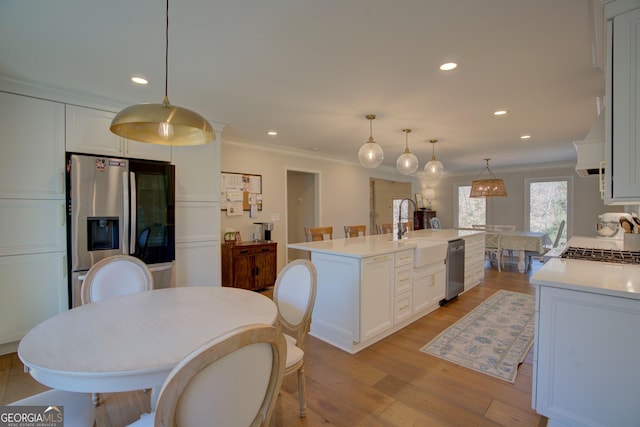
(163, 124)
(434, 168)
(370, 154)
(492, 187)
(407, 162)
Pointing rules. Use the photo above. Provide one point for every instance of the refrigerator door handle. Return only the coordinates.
(134, 208)
(125, 212)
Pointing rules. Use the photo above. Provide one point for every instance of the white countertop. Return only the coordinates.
(360, 247)
(622, 280)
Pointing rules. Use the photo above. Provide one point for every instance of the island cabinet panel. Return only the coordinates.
(473, 260)
(429, 284)
(250, 265)
(377, 305)
(585, 358)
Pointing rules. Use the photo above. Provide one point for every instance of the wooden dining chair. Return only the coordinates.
(114, 276)
(385, 228)
(232, 380)
(355, 230)
(79, 410)
(314, 234)
(294, 294)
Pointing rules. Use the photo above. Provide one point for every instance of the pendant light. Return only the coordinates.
(434, 168)
(491, 187)
(163, 124)
(407, 162)
(370, 154)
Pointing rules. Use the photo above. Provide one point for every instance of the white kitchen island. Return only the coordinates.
(372, 286)
(587, 343)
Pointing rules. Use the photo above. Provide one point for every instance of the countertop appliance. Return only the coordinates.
(609, 225)
(119, 206)
(455, 270)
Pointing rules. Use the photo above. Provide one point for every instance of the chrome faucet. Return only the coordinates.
(400, 229)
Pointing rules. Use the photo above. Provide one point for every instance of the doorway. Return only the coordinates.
(381, 197)
(303, 208)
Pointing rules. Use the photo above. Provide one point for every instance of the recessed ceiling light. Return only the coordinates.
(500, 113)
(139, 80)
(525, 137)
(448, 66)
(272, 133)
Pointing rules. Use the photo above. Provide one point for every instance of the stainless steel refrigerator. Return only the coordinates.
(119, 206)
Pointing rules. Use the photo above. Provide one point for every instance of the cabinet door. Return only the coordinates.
(377, 299)
(428, 286)
(587, 355)
(623, 94)
(33, 289)
(265, 267)
(88, 132)
(31, 148)
(32, 226)
(243, 266)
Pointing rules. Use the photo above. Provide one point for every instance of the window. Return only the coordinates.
(470, 211)
(548, 204)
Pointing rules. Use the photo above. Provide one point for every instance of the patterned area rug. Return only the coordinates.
(493, 339)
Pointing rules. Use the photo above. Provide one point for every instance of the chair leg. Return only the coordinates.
(96, 399)
(302, 392)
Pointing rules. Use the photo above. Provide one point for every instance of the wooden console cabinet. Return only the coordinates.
(422, 219)
(249, 265)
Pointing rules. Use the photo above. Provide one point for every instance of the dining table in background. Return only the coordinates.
(132, 342)
(526, 243)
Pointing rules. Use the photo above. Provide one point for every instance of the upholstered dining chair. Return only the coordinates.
(233, 380)
(355, 230)
(294, 294)
(314, 234)
(114, 276)
(435, 223)
(79, 410)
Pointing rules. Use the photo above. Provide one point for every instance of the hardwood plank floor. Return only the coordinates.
(390, 383)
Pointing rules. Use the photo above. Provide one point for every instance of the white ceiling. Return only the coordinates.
(312, 69)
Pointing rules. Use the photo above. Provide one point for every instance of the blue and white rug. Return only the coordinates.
(493, 339)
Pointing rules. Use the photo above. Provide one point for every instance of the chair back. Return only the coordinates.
(233, 380)
(384, 228)
(114, 276)
(355, 230)
(314, 234)
(492, 240)
(560, 230)
(143, 241)
(295, 294)
(435, 223)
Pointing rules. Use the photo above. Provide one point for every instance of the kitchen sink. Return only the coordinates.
(428, 251)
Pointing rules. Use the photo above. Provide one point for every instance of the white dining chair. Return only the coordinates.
(294, 294)
(435, 223)
(114, 276)
(492, 248)
(79, 410)
(233, 380)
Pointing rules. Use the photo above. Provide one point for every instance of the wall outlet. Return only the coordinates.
(275, 217)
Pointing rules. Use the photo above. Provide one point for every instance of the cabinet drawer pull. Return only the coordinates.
(404, 307)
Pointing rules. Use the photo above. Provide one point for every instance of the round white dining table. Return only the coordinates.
(132, 342)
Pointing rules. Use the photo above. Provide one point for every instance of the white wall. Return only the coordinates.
(344, 189)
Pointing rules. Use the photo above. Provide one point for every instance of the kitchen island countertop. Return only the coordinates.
(365, 246)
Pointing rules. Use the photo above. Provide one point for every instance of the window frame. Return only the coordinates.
(456, 205)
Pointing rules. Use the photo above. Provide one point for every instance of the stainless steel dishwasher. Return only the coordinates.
(455, 270)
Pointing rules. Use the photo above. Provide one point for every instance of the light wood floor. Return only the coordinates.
(390, 383)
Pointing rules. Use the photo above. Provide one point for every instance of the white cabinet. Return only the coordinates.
(473, 260)
(403, 286)
(376, 298)
(33, 289)
(622, 124)
(429, 286)
(87, 131)
(585, 358)
(31, 148)
(32, 208)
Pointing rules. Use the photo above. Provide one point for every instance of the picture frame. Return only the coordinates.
(419, 201)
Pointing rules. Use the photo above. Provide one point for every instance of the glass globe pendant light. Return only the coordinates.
(370, 154)
(163, 124)
(434, 168)
(407, 162)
